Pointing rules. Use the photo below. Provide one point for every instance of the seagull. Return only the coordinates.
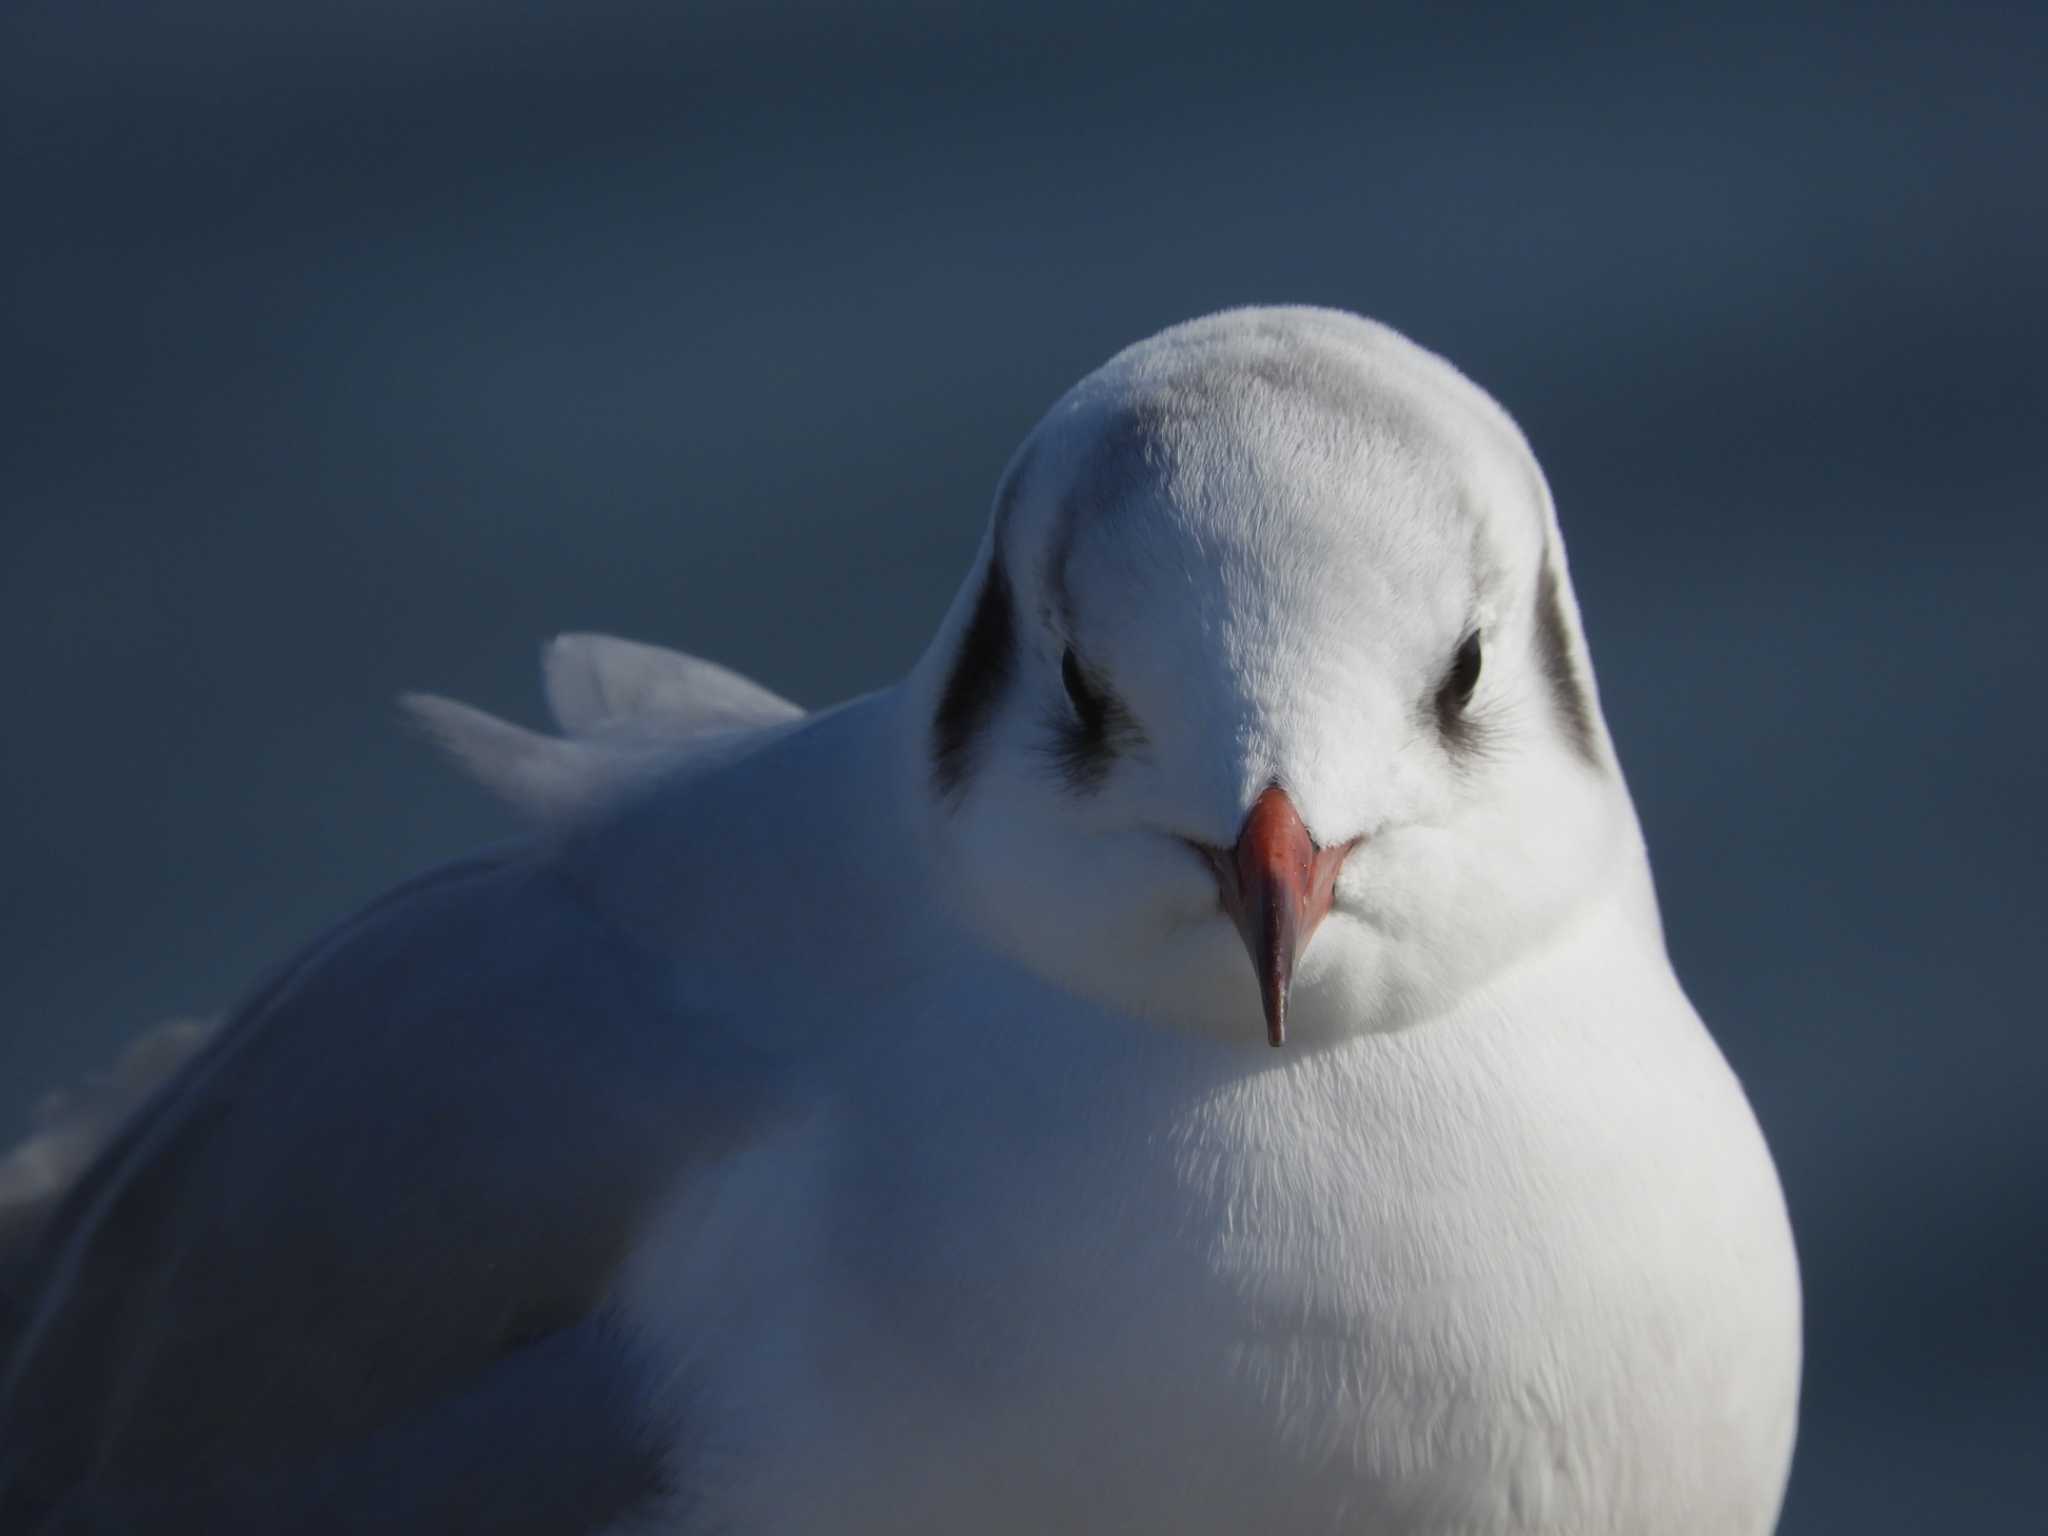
(1196, 1055)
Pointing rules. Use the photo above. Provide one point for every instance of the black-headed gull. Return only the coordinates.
(869, 1121)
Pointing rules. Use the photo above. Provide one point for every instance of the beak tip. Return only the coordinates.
(1276, 1017)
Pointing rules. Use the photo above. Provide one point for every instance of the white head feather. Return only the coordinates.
(1262, 538)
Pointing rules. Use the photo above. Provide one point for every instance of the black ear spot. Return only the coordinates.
(1089, 706)
(1569, 699)
(980, 671)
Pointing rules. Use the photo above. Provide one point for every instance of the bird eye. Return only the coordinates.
(1085, 703)
(1464, 675)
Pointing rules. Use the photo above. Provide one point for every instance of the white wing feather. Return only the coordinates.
(625, 710)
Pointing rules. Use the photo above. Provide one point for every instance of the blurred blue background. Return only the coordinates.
(359, 349)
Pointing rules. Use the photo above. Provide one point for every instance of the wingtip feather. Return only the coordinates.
(535, 774)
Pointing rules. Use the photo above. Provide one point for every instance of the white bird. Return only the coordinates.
(866, 1121)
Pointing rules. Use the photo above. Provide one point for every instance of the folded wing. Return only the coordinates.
(357, 1252)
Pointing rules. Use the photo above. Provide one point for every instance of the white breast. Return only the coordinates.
(1525, 1269)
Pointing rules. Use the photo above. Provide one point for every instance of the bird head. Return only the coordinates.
(1265, 710)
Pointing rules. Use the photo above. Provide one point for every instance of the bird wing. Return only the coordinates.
(595, 681)
(354, 1255)
(625, 710)
(70, 1128)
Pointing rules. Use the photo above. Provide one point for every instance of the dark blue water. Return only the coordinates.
(341, 357)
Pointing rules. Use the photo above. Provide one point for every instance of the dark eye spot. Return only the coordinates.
(1455, 693)
(1088, 736)
(1089, 706)
(1464, 674)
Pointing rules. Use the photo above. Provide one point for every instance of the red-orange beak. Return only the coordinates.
(1276, 885)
